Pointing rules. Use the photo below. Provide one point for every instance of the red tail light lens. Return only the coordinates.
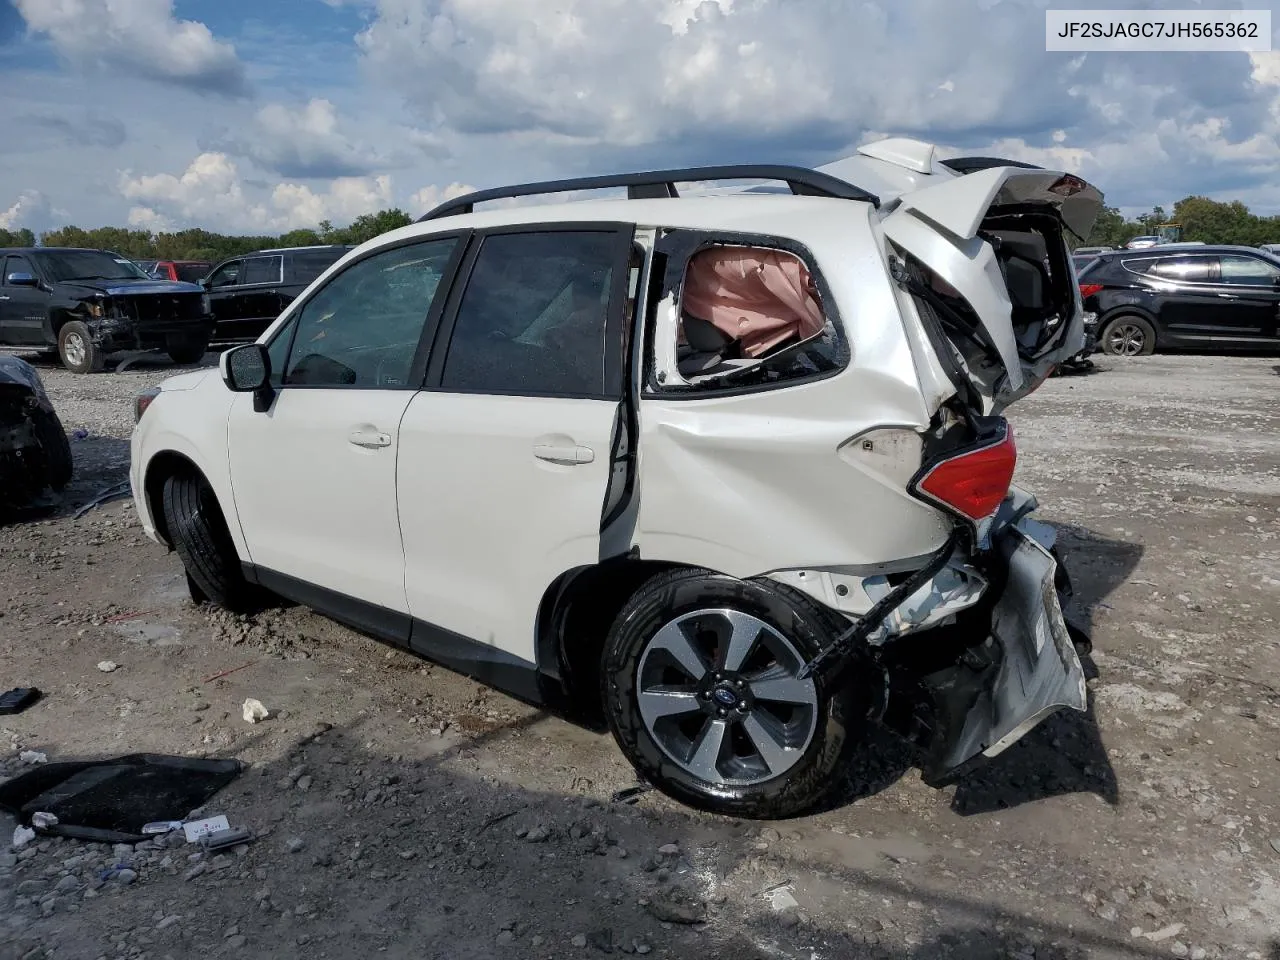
(1089, 289)
(974, 483)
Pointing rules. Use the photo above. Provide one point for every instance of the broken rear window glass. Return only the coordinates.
(735, 314)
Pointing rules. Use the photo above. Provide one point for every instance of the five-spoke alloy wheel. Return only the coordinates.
(702, 691)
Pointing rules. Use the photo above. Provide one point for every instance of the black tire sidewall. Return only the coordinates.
(186, 348)
(93, 359)
(802, 622)
(203, 542)
(1148, 330)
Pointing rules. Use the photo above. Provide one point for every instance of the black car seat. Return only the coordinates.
(706, 346)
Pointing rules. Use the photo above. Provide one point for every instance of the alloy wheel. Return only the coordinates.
(1126, 339)
(719, 693)
(74, 348)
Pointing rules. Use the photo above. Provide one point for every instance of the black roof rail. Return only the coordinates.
(974, 164)
(662, 183)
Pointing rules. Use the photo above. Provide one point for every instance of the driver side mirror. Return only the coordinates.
(247, 369)
(22, 280)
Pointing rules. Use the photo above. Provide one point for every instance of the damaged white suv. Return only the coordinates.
(728, 467)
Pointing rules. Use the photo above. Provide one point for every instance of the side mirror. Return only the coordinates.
(246, 368)
(22, 280)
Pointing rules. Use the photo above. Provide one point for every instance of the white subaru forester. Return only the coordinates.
(729, 468)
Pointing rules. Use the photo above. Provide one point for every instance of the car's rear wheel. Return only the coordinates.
(702, 693)
(1129, 335)
(185, 348)
(199, 534)
(76, 348)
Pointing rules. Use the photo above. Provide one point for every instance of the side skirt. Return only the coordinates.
(488, 665)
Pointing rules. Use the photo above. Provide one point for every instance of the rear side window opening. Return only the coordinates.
(733, 313)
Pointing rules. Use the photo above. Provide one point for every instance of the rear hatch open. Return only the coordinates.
(985, 256)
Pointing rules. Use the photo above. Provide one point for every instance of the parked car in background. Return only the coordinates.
(146, 266)
(502, 440)
(1140, 243)
(188, 271)
(87, 304)
(1094, 251)
(35, 457)
(1188, 297)
(247, 293)
(1271, 248)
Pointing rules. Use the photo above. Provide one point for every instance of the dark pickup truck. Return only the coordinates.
(89, 303)
(249, 292)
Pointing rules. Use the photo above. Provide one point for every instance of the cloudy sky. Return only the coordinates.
(265, 115)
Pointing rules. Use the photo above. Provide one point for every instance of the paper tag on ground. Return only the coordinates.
(198, 828)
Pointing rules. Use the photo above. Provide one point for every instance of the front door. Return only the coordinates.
(1249, 289)
(24, 309)
(505, 458)
(259, 301)
(314, 476)
(224, 286)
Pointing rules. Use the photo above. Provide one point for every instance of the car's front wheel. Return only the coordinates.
(702, 693)
(76, 348)
(199, 533)
(186, 348)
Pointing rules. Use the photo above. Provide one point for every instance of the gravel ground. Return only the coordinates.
(403, 810)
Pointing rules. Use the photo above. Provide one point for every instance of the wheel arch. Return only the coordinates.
(574, 618)
(161, 467)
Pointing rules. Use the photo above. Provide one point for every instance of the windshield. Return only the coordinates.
(63, 265)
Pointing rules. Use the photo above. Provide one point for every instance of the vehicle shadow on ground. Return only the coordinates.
(432, 857)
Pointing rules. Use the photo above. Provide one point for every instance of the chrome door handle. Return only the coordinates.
(568, 454)
(369, 438)
(3, 298)
(1229, 296)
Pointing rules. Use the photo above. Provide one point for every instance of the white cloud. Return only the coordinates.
(431, 196)
(31, 210)
(139, 37)
(211, 192)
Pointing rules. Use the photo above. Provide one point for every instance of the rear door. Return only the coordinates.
(258, 298)
(1185, 297)
(505, 457)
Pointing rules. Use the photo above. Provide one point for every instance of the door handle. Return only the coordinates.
(568, 454)
(369, 438)
(2, 297)
(1229, 296)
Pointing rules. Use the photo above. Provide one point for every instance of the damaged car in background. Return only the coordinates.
(731, 471)
(35, 457)
(87, 304)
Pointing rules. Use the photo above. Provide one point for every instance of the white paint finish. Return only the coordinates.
(189, 417)
(902, 152)
(753, 483)
(312, 504)
(488, 526)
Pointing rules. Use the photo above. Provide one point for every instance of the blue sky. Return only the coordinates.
(267, 115)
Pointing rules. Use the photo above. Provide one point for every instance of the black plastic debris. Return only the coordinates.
(110, 800)
(18, 699)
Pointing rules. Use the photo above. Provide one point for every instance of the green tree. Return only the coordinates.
(17, 238)
(299, 238)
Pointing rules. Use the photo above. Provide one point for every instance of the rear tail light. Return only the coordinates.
(972, 482)
(142, 401)
(1089, 289)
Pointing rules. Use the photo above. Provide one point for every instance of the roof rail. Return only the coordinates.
(662, 183)
(974, 164)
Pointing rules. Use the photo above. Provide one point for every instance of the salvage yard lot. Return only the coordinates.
(403, 810)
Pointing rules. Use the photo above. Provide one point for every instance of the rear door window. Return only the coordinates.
(1185, 269)
(534, 315)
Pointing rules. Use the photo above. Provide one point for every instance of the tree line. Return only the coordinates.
(1201, 219)
(198, 244)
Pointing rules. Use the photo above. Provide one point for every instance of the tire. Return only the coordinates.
(53, 439)
(1128, 335)
(199, 534)
(790, 628)
(183, 348)
(76, 349)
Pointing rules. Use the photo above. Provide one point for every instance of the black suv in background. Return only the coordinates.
(249, 292)
(88, 303)
(1183, 297)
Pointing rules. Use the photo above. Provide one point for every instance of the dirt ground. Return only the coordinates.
(402, 810)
